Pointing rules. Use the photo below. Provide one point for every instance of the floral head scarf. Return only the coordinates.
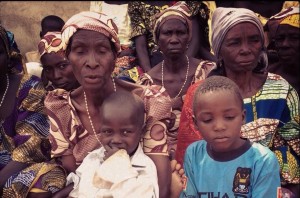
(178, 11)
(51, 42)
(289, 16)
(94, 21)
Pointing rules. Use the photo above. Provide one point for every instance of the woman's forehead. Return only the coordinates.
(82, 33)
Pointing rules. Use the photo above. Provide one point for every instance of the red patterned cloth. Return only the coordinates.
(187, 132)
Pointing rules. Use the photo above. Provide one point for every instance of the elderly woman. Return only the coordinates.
(271, 103)
(177, 71)
(57, 71)
(148, 54)
(24, 147)
(91, 44)
(283, 35)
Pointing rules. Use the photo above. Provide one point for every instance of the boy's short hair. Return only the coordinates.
(51, 23)
(127, 100)
(217, 83)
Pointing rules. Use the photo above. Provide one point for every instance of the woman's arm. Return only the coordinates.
(138, 33)
(11, 168)
(64, 192)
(142, 52)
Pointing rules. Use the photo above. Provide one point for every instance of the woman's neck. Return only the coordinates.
(172, 65)
(248, 82)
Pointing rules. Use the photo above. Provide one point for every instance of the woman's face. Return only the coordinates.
(3, 58)
(173, 38)
(59, 71)
(92, 58)
(287, 44)
(241, 48)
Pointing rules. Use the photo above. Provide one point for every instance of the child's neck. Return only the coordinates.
(230, 155)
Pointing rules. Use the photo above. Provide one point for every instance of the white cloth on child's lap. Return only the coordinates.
(119, 176)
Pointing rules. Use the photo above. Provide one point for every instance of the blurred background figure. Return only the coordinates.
(283, 35)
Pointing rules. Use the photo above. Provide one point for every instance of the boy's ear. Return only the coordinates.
(195, 122)
(244, 116)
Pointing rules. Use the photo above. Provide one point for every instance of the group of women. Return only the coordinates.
(89, 45)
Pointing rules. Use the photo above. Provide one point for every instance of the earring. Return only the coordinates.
(187, 46)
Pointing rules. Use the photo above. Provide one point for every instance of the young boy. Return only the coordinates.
(224, 164)
(119, 168)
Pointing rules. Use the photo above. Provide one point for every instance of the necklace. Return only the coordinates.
(88, 112)
(7, 85)
(186, 75)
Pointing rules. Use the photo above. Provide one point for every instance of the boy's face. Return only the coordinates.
(120, 130)
(219, 117)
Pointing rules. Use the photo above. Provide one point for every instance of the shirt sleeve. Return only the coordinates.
(158, 118)
(267, 177)
(190, 188)
(290, 131)
(65, 131)
(124, 181)
(31, 127)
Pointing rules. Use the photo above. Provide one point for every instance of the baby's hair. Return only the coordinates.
(51, 23)
(217, 83)
(127, 100)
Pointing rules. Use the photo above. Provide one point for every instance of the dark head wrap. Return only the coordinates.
(178, 11)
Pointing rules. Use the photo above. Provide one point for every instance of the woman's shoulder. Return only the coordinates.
(57, 99)
(152, 91)
(145, 79)
(31, 87)
(31, 81)
(204, 67)
(277, 82)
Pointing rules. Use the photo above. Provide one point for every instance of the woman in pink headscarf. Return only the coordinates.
(91, 45)
(57, 71)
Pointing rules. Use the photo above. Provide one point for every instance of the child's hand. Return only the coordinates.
(109, 151)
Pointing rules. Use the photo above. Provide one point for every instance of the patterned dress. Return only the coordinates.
(69, 137)
(202, 70)
(272, 119)
(23, 138)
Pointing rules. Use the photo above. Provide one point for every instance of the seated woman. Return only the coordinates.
(148, 53)
(57, 71)
(24, 147)
(91, 45)
(271, 103)
(177, 71)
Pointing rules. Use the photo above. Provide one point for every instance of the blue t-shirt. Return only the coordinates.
(255, 174)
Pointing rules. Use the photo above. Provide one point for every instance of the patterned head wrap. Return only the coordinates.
(94, 21)
(289, 16)
(178, 11)
(51, 42)
(224, 19)
(5, 39)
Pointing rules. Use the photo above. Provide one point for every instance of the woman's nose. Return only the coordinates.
(92, 60)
